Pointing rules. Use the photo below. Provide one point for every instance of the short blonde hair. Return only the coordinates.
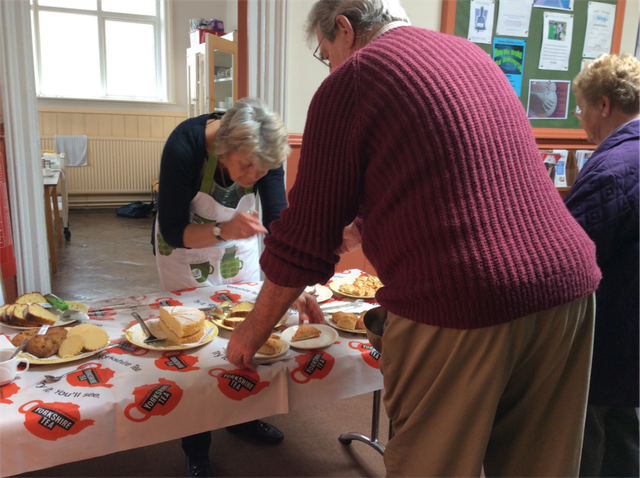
(363, 15)
(617, 77)
(250, 127)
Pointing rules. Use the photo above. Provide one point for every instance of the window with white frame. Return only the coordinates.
(100, 49)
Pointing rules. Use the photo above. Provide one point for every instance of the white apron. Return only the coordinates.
(227, 262)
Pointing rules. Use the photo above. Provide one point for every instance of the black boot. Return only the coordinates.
(259, 430)
(197, 468)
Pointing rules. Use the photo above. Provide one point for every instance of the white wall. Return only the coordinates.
(305, 73)
(179, 13)
(630, 27)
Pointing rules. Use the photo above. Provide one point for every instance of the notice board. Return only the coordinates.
(455, 21)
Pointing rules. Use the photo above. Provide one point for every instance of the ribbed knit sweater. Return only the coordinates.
(460, 220)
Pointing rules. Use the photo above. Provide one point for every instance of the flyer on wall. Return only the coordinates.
(481, 21)
(548, 99)
(557, 32)
(514, 17)
(508, 53)
(601, 18)
(554, 4)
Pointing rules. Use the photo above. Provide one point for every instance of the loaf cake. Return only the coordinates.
(305, 332)
(241, 309)
(39, 315)
(31, 298)
(183, 325)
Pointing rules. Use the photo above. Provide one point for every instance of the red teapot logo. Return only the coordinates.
(177, 362)
(94, 376)
(8, 390)
(51, 421)
(238, 384)
(252, 284)
(316, 364)
(101, 314)
(224, 296)
(369, 354)
(179, 292)
(165, 302)
(123, 346)
(154, 399)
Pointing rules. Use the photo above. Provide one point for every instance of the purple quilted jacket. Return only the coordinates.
(604, 200)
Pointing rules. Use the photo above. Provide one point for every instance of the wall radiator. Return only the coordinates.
(118, 171)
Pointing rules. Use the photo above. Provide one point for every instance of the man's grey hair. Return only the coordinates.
(250, 127)
(364, 15)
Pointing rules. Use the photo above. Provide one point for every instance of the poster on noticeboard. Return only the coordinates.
(508, 53)
(548, 99)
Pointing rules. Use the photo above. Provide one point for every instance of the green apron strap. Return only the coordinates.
(210, 171)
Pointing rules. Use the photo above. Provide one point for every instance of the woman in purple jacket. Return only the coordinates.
(604, 200)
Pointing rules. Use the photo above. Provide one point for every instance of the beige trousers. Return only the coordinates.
(511, 397)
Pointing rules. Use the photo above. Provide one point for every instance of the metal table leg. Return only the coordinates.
(347, 438)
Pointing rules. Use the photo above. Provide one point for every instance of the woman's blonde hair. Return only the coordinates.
(617, 77)
(363, 15)
(250, 127)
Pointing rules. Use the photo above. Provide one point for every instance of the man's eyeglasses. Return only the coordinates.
(577, 113)
(318, 55)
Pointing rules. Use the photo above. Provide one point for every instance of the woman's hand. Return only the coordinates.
(308, 308)
(242, 225)
(351, 239)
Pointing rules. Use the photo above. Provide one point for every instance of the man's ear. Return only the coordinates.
(344, 25)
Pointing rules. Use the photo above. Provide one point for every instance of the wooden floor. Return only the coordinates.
(111, 256)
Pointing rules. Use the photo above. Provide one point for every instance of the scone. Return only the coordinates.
(272, 346)
(305, 332)
(360, 322)
(183, 325)
(42, 346)
(345, 320)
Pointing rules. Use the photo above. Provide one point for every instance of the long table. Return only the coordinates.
(134, 397)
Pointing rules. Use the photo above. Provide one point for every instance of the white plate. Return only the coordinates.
(327, 337)
(137, 336)
(336, 283)
(322, 292)
(55, 359)
(262, 358)
(327, 318)
(64, 318)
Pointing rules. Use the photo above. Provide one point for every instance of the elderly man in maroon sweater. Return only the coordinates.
(488, 279)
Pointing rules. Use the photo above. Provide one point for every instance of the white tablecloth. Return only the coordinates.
(135, 397)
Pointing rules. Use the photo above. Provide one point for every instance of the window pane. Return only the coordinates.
(131, 61)
(137, 7)
(69, 53)
(79, 4)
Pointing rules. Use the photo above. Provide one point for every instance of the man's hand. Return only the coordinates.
(308, 308)
(245, 341)
(271, 304)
